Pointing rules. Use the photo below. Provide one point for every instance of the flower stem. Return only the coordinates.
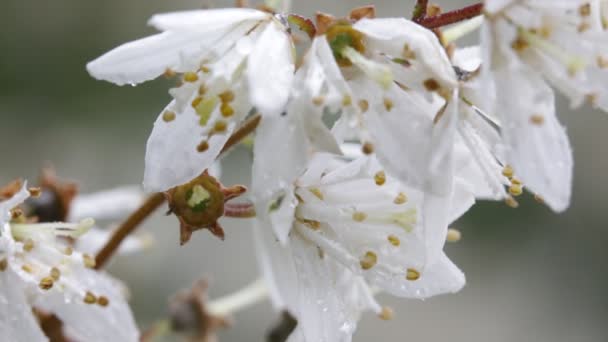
(157, 199)
(420, 10)
(452, 16)
(239, 210)
(243, 298)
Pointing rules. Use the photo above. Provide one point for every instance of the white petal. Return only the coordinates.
(113, 204)
(92, 322)
(15, 200)
(96, 238)
(171, 152)
(270, 69)
(205, 21)
(539, 153)
(17, 322)
(147, 58)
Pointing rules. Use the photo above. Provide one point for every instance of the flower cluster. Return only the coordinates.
(434, 126)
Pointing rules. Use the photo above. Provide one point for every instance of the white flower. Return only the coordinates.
(350, 224)
(36, 271)
(232, 60)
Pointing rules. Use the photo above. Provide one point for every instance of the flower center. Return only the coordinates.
(342, 36)
(23, 231)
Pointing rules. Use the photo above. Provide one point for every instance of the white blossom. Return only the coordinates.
(232, 60)
(37, 271)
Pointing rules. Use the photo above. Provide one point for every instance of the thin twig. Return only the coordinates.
(420, 10)
(239, 210)
(452, 16)
(246, 128)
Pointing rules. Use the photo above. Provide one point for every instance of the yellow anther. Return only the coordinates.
(369, 260)
(46, 283)
(169, 73)
(312, 224)
(400, 199)
(226, 110)
(28, 245)
(431, 84)
(203, 146)
(347, 100)
(537, 119)
(220, 126)
(27, 268)
(516, 181)
(539, 198)
(394, 240)
(318, 100)
(516, 189)
(317, 192)
(34, 191)
(520, 44)
(454, 235)
(412, 274)
(507, 171)
(602, 62)
(3, 264)
(511, 202)
(363, 105)
(55, 273)
(585, 10)
(103, 301)
(89, 298)
(190, 77)
(227, 96)
(88, 261)
(196, 102)
(202, 89)
(406, 219)
(367, 148)
(359, 216)
(68, 250)
(388, 104)
(386, 313)
(205, 69)
(407, 52)
(380, 178)
(168, 116)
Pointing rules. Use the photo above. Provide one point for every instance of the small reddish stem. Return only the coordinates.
(239, 210)
(452, 16)
(420, 10)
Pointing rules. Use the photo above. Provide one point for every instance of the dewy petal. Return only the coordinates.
(205, 21)
(110, 204)
(270, 69)
(537, 145)
(172, 157)
(147, 58)
(93, 322)
(17, 322)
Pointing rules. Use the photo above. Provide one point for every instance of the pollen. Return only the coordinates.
(190, 77)
(103, 301)
(28, 245)
(602, 62)
(400, 199)
(68, 250)
(317, 192)
(367, 148)
(412, 274)
(34, 191)
(318, 100)
(369, 260)
(515, 189)
(516, 181)
(169, 73)
(363, 105)
(431, 84)
(511, 202)
(520, 44)
(55, 273)
(89, 298)
(46, 283)
(220, 126)
(386, 314)
(388, 104)
(227, 96)
(312, 224)
(203, 146)
(16, 214)
(394, 240)
(359, 216)
(347, 100)
(226, 110)
(407, 52)
(585, 10)
(507, 171)
(197, 101)
(3, 264)
(168, 116)
(205, 69)
(202, 89)
(27, 268)
(380, 178)
(454, 235)
(89, 261)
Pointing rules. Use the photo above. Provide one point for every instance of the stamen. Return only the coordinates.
(367, 148)
(347, 101)
(46, 283)
(190, 77)
(89, 298)
(454, 235)
(205, 109)
(55, 273)
(573, 63)
(3, 264)
(220, 126)
(89, 261)
(515, 189)
(511, 202)
(28, 245)
(388, 104)
(380, 178)
(400, 199)
(359, 216)
(318, 100)
(507, 171)
(386, 313)
(412, 274)
(537, 119)
(68, 251)
(394, 240)
(406, 219)
(168, 116)
(376, 71)
(363, 105)
(461, 29)
(369, 260)
(317, 192)
(22, 231)
(227, 96)
(431, 84)
(103, 301)
(203, 146)
(226, 110)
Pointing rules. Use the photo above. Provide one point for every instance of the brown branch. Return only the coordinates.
(420, 10)
(452, 16)
(246, 128)
(239, 210)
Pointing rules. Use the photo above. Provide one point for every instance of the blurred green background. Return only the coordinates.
(532, 275)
